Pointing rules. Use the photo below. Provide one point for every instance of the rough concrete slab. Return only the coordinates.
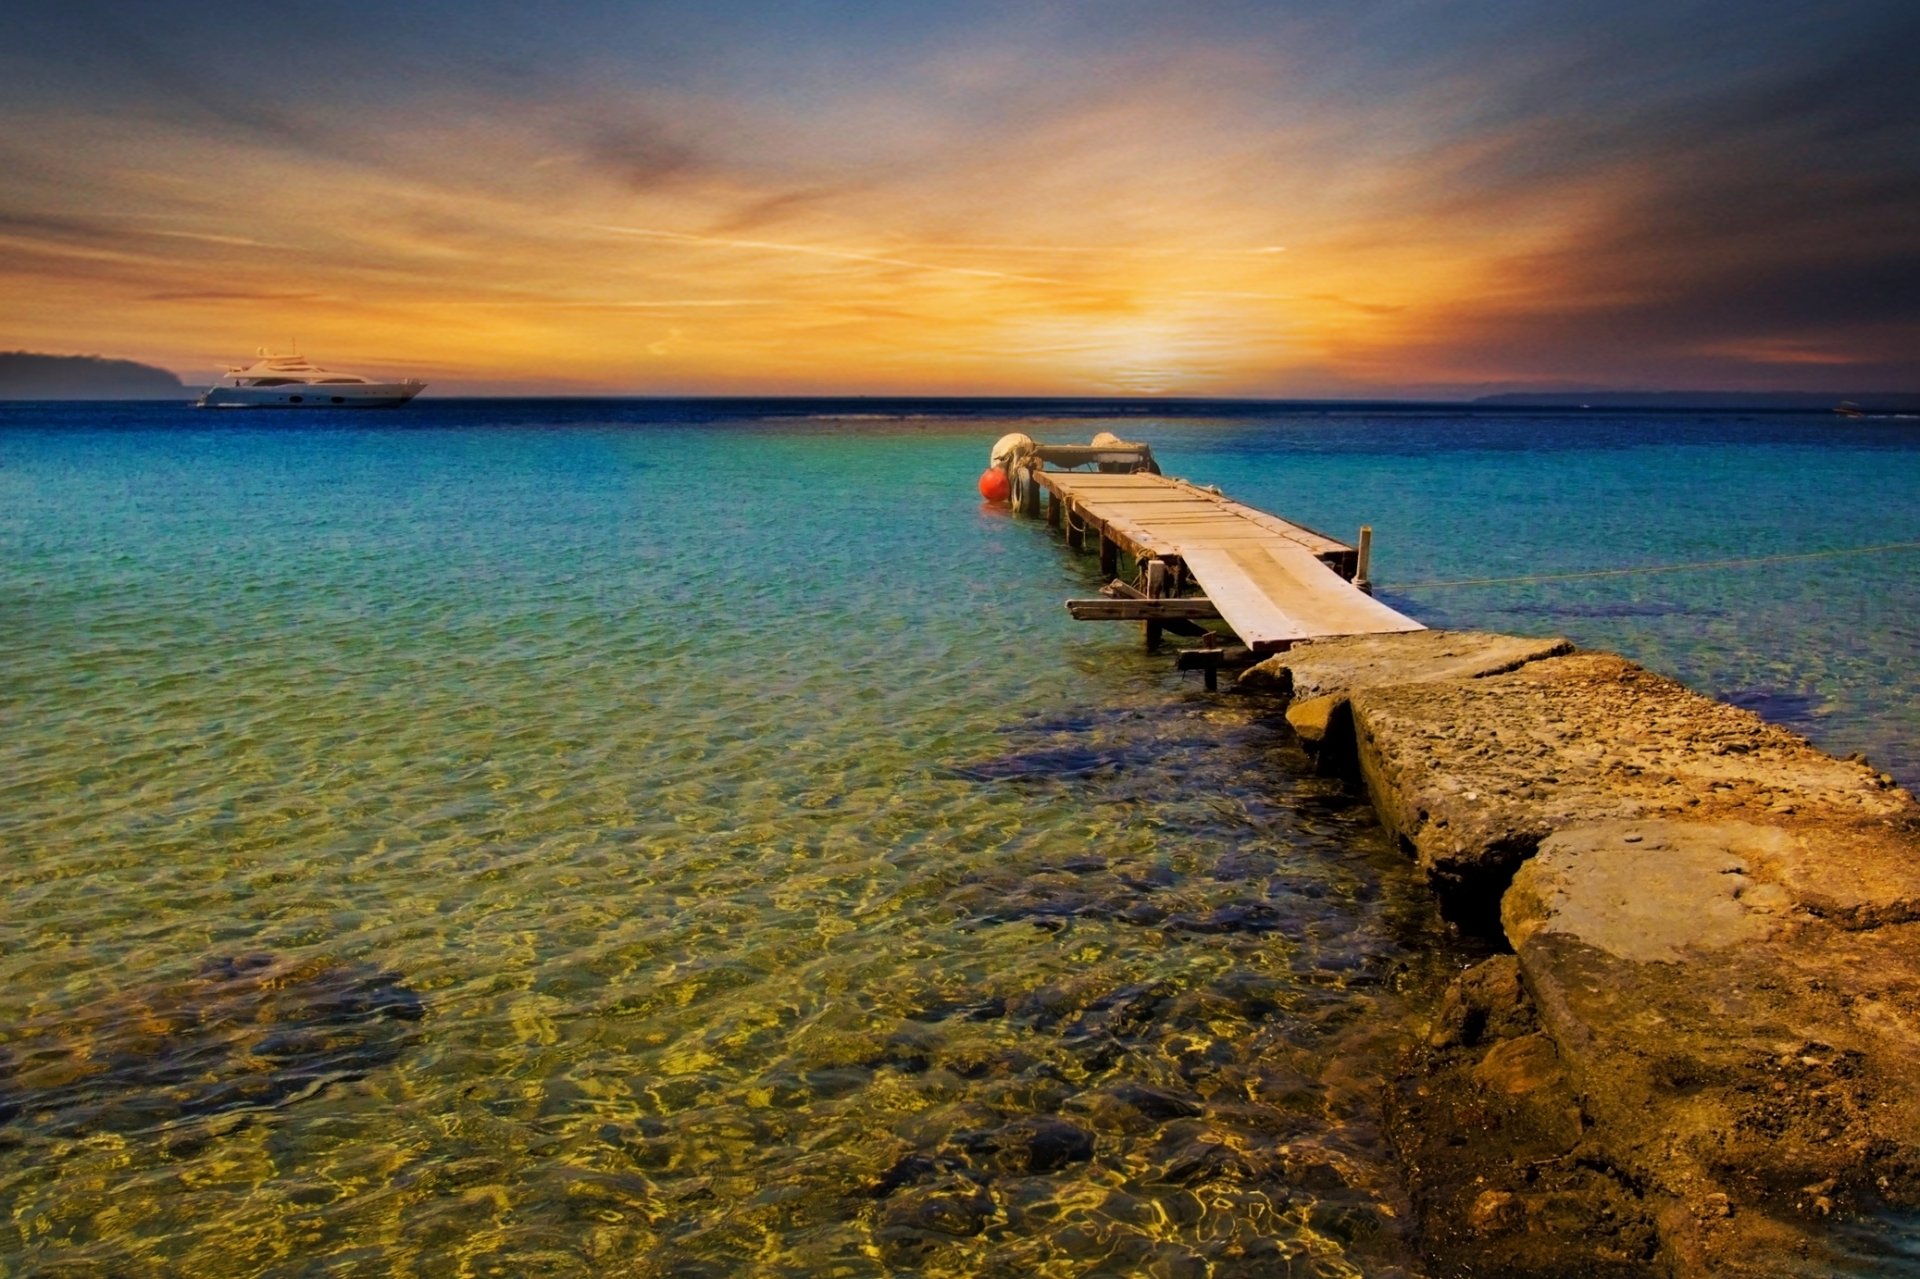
(1647, 891)
(1737, 1028)
(1664, 890)
(1765, 1082)
(1850, 876)
(1335, 667)
(1474, 773)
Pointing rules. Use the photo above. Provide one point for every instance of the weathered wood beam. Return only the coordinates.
(1200, 659)
(1137, 455)
(1209, 661)
(1130, 610)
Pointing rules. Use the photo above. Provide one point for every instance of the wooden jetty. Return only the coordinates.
(1197, 554)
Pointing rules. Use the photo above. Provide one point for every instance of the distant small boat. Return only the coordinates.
(1847, 408)
(295, 382)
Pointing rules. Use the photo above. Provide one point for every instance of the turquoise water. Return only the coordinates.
(786, 884)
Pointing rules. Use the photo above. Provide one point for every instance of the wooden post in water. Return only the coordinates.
(1155, 573)
(1363, 564)
(1109, 556)
(1053, 509)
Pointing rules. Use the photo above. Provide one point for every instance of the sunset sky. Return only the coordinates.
(1378, 197)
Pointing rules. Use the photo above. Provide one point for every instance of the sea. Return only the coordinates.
(690, 838)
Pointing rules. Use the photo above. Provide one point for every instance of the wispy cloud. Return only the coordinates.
(822, 251)
(668, 304)
(232, 295)
(208, 237)
(1108, 250)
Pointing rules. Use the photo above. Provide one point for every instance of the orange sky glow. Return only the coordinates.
(1202, 221)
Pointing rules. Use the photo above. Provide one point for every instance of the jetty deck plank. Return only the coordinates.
(1166, 497)
(1274, 582)
(1275, 595)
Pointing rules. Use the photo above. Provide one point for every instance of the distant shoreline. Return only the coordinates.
(38, 377)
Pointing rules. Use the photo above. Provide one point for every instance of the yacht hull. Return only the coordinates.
(351, 395)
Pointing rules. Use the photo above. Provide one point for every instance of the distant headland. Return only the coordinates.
(28, 376)
(1883, 401)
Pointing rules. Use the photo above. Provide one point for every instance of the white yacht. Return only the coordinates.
(295, 382)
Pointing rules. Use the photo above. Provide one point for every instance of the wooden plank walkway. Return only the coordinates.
(1274, 582)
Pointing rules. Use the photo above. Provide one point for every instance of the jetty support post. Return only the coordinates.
(1363, 563)
(1109, 555)
(1210, 660)
(1154, 578)
(1053, 509)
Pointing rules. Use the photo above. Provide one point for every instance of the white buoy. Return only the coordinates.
(1008, 447)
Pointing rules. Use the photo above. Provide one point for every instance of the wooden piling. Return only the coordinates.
(1154, 578)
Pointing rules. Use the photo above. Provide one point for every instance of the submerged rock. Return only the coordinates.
(1035, 1144)
(1051, 764)
(1154, 1103)
(1488, 1002)
(1502, 1168)
(915, 1169)
(1191, 1151)
(250, 1031)
(922, 1218)
(1150, 897)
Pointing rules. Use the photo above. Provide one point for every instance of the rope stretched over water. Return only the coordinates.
(1749, 562)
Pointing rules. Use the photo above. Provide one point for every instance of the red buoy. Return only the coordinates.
(994, 484)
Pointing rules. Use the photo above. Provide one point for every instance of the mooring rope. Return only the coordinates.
(1748, 562)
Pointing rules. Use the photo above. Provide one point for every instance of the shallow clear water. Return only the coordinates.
(770, 855)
